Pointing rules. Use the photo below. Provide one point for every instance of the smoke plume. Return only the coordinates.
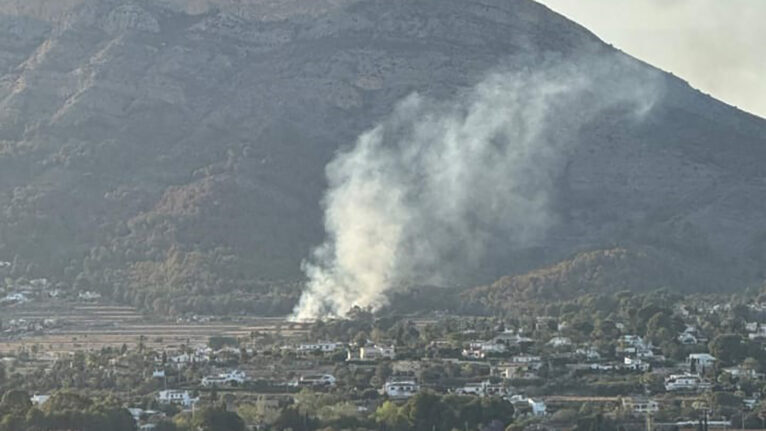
(421, 197)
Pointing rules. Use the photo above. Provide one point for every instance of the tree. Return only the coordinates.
(390, 417)
(662, 327)
(292, 418)
(605, 329)
(728, 348)
(15, 402)
(165, 425)
(67, 401)
(218, 419)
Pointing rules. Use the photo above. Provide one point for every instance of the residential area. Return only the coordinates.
(642, 361)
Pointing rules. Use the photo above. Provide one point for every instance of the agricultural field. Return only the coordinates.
(66, 326)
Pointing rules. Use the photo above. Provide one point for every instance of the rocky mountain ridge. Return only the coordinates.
(168, 152)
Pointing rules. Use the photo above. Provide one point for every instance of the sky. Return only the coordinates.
(718, 46)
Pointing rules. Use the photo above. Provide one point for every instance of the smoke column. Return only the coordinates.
(420, 197)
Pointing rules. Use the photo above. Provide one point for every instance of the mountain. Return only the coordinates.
(171, 153)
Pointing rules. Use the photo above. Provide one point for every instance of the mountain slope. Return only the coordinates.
(157, 150)
(599, 272)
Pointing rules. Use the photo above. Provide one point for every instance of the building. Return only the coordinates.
(740, 371)
(559, 342)
(233, 378)
(535, 407)
(482, 349)
(631, 344)
(323, 346)
(14, 298)
(515, 370)
(687, 339)
(756, 330)
(176, 397)
(691, 336)
(372, 353)
(401, 388)
(39, 283)
(183, 359)
(406, 367)
(316, 380)
(510, 338)
(589, 353)
(89, 296)
(377, 352)
(39, 400)
(685, 382)
(634, 364)
(640, 406)
(699, 362)
(602, 367)
(538, 407)
(483, 389)
(526, 359)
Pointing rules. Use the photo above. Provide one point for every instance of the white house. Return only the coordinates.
(182, 359)
(14, 298)
(538, 407)
(481, 349)
(39, 283)
(740, 371)
(510, 338)
(89, 296)
(691, 336)
(685, 382)
(590, 353)
(635, 364)
(39, 400)
(640, 406)
(374, 353)
(701, 361)
(687, 339)
(483, 389)
(401, 388)
(322, 346)
(136, 413)
(559, 342)
(316, 380)
(235, 377)
(517, 370)
(526, 359)
(756, 330)
(176, 397)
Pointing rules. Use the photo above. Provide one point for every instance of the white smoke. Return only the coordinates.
(422, 195)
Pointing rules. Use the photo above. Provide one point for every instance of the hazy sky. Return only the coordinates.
(719, 46)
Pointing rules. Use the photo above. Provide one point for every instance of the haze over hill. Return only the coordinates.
(173, 154)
